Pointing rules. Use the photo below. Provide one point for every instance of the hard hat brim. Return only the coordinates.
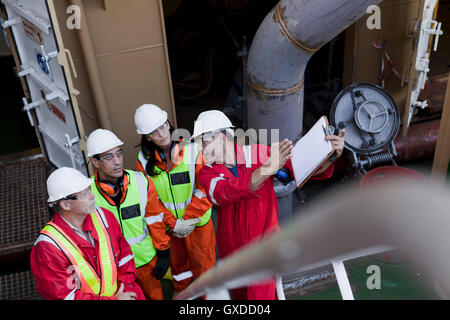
(89, 182)
(146, 131)
(198, 135)
(107, 148)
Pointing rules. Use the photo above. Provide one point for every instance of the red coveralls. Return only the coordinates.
(51, 267)
(244, 216)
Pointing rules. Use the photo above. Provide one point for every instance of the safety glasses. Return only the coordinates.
(154, 132)
(80, 195)
(110, 156)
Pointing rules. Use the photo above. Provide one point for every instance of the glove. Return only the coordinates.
(178, 235)
(162, 264)
(184, 227)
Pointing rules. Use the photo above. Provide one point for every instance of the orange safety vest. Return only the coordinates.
(104, 284)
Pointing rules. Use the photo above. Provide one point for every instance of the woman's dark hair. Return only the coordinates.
(148, 148)
(52, 210)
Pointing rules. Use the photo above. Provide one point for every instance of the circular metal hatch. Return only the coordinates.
(369, 116)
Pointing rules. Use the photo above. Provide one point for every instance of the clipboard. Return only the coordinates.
(311, 152)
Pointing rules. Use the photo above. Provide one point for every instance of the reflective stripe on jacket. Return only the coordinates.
(177, 187)
(243, 215)
(104, 284)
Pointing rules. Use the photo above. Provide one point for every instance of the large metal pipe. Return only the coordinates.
(420, 143)
(92, 69)
(281, 49)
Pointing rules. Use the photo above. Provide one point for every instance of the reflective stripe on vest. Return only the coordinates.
(134, 227)
(104, 284)
(177, 197)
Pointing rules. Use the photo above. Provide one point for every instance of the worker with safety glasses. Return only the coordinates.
(238, 179)
(173, 166)
(81, 254)
(131, 197)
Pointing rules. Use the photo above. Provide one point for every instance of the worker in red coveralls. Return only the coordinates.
(239, 181)
(81, 254)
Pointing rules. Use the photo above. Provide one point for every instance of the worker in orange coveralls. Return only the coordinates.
(173, 167)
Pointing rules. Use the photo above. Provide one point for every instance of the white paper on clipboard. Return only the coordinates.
(310, 152)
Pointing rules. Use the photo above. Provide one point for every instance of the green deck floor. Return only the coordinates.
(399, 281)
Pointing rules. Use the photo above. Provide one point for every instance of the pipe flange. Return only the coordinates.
(278, 18)
(261, 89)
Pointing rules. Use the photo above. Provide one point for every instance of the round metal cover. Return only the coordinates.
(369, 115)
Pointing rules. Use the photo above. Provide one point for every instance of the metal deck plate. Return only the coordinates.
(18, 286)
(24, 209)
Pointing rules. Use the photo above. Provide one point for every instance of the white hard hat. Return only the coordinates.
(148, 118)
(209, 121)
(66, 181)
(101, 140)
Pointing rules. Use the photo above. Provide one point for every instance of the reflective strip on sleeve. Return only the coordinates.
(139, 239)
(142, 183)
(212, 187)
(193, 153)
(154, 219)
(102, 215)
(183, 276)
(248, 156)
(177, 206)
(45, 238)
(142, 159)
(71, 296)
(123, 261)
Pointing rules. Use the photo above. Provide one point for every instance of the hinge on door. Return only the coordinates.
(69, 143)
(8, 23)
(25, 72)
(5, 24)
(44, 58)
(434, 29)
(48, 56)
(55, 94)
(27, 107)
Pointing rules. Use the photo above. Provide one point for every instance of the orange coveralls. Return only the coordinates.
(191, 256)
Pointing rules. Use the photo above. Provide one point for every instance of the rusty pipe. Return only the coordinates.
(92, 69)
(420, 143)
(280, 51)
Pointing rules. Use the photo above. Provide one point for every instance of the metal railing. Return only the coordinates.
(344, 225)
